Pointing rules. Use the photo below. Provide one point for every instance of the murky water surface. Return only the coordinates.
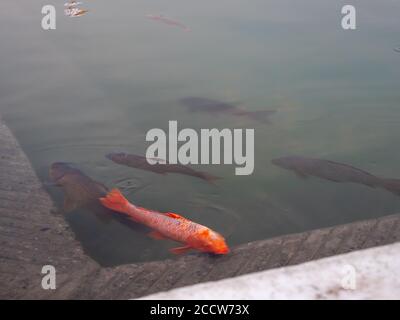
(99, 82)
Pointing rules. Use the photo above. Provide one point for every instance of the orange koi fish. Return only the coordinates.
(169, 226)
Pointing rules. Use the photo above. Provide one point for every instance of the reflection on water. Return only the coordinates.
(130, 185)
(96, 85)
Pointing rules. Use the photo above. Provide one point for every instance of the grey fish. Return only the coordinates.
(82, 192)
(79, 189)
(336, 172)
(197, 104)
(328, 170)
(140, 162)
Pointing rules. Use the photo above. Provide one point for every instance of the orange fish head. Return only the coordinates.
(211, 241)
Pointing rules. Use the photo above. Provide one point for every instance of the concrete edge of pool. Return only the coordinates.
(33, 235)
(362, 274)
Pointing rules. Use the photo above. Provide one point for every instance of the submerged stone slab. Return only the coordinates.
(32, 235)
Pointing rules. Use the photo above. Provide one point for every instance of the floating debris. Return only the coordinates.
(72, 4)
(396, 49)
(75, 12)
(72, 9)
(168, 21)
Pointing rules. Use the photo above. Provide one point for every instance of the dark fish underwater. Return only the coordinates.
(82, 192)
(197, 104)
(79, 189)
(140, 162)
(336, 172)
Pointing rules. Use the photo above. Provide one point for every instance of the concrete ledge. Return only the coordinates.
(365, 274)
(33, 235)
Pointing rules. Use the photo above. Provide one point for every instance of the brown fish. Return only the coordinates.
(83, 193)
(140, 162)
(197, 104)
(72, 4)
(328, 170)
(336, 172)
(79, 189)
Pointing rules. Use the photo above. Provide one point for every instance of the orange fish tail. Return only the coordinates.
(116, 201)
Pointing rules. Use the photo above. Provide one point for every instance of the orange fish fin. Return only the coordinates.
(181, 250)
(115, 200)
(174, 215)
(156, 235)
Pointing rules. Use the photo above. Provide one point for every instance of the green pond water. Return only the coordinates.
(99, 82)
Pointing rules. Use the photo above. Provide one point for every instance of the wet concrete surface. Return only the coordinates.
(33, 234)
